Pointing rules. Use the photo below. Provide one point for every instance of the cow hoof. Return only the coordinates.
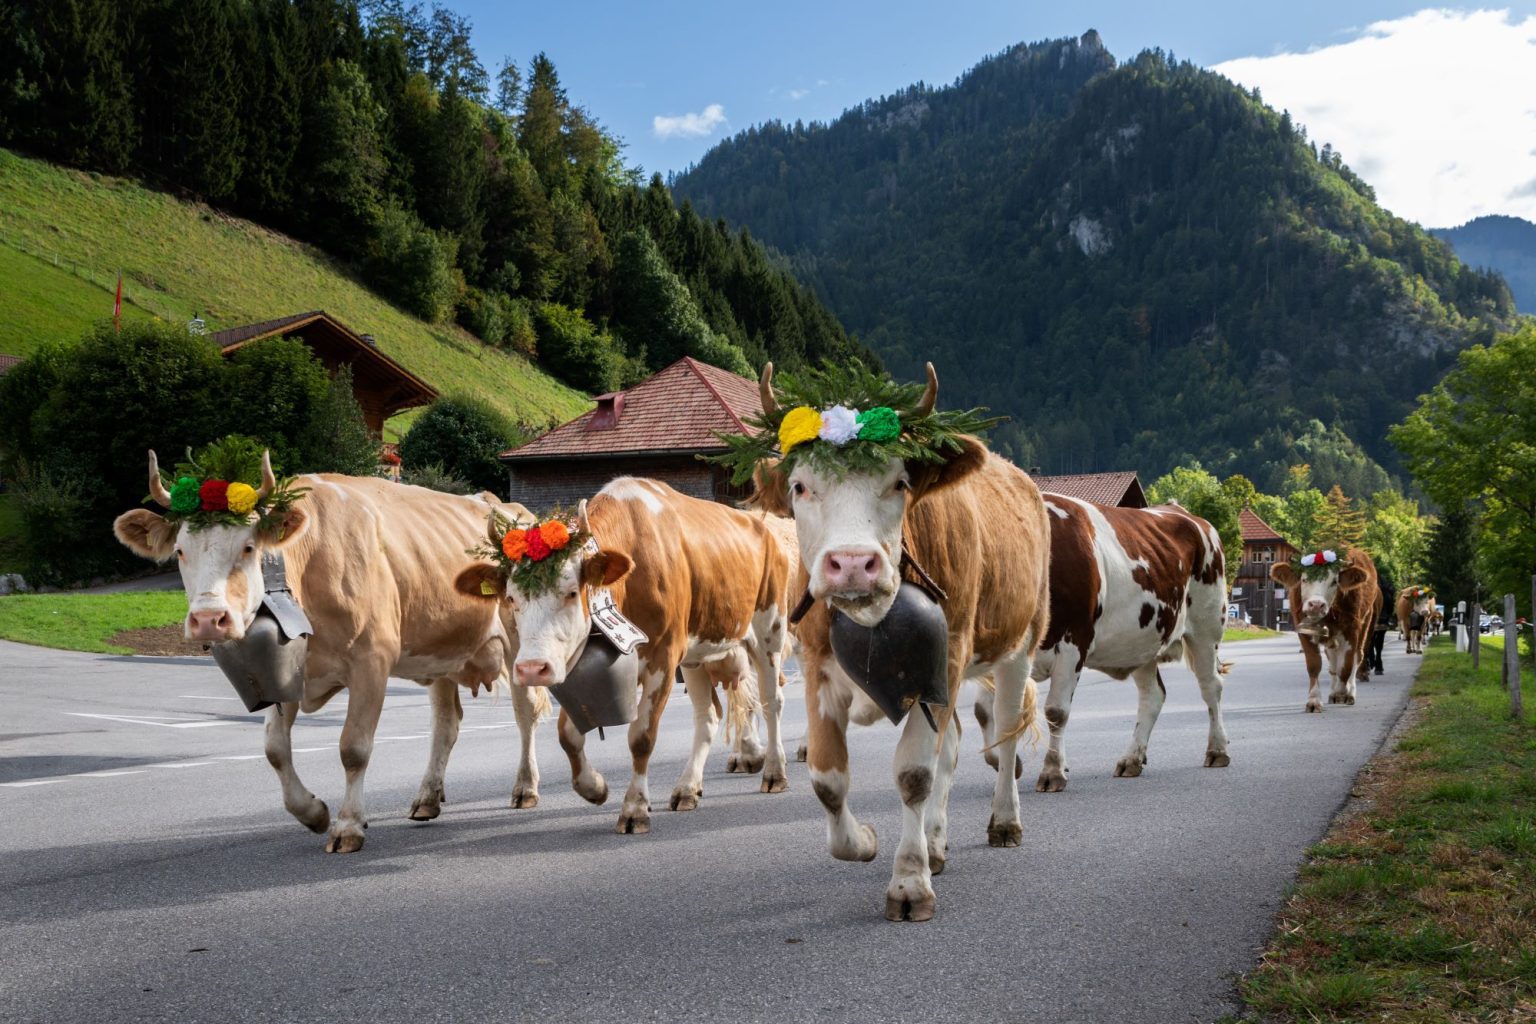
(424, 811)
(801, 753)
(1349, 699)
(317, 819)
(636, 824)
(1128, 767)
(593, 792)
(1314, 707)
(1335, 698)
(685, 799)
(1050, 782)
(1215, 760)
(745, 764)
(774, 782)
(1010, 833)
(344, 842)
(936, 863)
(909, 908)
(865, 848)
(527, 799)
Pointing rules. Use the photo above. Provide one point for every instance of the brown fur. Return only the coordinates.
(1352, 613)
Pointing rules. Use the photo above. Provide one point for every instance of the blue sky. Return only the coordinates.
(711, 69)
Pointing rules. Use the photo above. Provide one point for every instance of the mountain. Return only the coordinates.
(1140, 263)
(1504, 244)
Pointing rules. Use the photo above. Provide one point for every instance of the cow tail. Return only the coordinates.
(542, 706)
(741, 704)
(1028, 727)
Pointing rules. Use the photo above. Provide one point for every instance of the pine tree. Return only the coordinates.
(337, 439)
(1340, 526)
(1450, 564)
(544, 111)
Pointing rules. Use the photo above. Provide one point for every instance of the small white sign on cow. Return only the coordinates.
(626, 636)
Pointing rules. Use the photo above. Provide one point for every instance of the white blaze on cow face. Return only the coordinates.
(1318, 596)
(221, 573)
(552, 627)
(849, 531)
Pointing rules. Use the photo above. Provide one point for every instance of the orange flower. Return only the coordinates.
(514, 544)
(555, 534)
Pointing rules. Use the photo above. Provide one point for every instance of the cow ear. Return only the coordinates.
(146, 534)
(481, 581)
(771, 490)
(1284, 573)
(928, 477)
(282, 532)
(605, 568)
(1350, 577)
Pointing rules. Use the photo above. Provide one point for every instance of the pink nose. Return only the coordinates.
(851, 571)
(208, 625)
(532, 673)
(1314, 605)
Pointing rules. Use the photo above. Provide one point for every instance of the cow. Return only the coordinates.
(700, 580)
(369, 561)
(1415, 605)
(1337, 601)
(977, 525)
(1130, 587)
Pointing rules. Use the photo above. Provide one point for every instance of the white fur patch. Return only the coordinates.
(628, 488)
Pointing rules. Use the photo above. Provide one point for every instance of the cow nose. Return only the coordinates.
(533, 673)
(851, 570)
(208, 625)
(1314, 605)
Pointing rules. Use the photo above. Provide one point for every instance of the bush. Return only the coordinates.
(61, 515)
(434, 477)
(275, 387)
(484, 315)
(413, 265)
(462, 435)
(575, 351)
(337, 438)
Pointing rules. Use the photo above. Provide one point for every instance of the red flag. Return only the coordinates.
(117, 304)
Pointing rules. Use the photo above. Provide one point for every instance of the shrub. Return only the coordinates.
(575, 351)
(337, 438)
(412, 265)
(484, 315)
(275, 387)
(463, 436)
(434, 477)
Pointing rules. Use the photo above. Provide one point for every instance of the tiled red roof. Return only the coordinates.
(1099, 488)
(1254, 528)
(6, 362)
(677, 410)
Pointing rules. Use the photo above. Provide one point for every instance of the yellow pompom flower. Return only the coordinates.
(799, 426)
(242, 498)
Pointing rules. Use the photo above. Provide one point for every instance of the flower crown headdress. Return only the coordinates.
(1318, 564)
(532, 556)
(847, 419)
(224, 484)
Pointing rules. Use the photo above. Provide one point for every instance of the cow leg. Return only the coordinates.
(635, 815)
(1013, 682)
(1204, 658)
(1341, 665)
(1314, 662)
(447, 713)
(365, 700)
(910, 897)
(300, 802)
(938, 803)
(1058, 708)
(768, 656)
(983, 709)
(803, 750)
(527, 706)
(585, 779)
(1150, 693)
(826, 707)
(747, 755)
(706, 719)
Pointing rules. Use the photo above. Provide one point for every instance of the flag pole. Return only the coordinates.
(117, 304)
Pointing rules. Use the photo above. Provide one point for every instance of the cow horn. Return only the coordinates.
(490, 529)
(930, 394)
(268, 480)
(765, 390)
(156, 485)
(582, 522)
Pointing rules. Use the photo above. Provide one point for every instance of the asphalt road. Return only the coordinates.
(148, 871)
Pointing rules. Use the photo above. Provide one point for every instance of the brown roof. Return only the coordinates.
(677, 410)
(6, 362)
(1256, 529)
(1099, 488)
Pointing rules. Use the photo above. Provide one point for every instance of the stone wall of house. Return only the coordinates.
(542, 486)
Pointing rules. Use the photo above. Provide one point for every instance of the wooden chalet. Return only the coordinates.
(1254, 592)
(1122, 489)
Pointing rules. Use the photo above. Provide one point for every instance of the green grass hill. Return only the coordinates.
(64, 234)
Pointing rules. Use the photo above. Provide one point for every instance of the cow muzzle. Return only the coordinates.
(211, 626)
(534, 672)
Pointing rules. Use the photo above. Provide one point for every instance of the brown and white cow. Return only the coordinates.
(978, 526)
(701, 580)
(1415, 606)
(1343, 604)
(368, 560)
(1130, 587)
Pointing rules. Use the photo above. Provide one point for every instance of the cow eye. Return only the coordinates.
(798, 488)
(180, 553)
(250, 549)
(571, 595)
(902, 485)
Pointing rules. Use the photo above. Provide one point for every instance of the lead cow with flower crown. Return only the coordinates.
(366, 558)
(878, 480)
(1333, 600)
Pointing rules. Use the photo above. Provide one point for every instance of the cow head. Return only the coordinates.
(553, 622)
(849, 525)
(220, 564)
(1313, 594)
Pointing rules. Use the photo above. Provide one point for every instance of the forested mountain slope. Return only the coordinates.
(1504, 244)
(1141, 264)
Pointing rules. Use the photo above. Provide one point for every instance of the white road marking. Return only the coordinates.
(169, 723)
(31, 782)
(180, 764)
(114, 773)
(199, 696)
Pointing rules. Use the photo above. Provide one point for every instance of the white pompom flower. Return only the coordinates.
(839, 425)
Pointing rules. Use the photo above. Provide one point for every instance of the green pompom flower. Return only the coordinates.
(184, 496)
(879, 424)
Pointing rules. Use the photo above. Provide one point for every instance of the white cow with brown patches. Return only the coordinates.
(978, 526)
(370, 561)
(1129, 588)
(702, 581)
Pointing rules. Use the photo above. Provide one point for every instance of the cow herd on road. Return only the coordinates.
(1035, 586)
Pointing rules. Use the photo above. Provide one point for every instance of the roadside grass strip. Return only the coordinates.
(1233, 634)
(1422, 908)
(87, 622)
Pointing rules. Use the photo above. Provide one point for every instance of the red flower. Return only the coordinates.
(214, 495)
(538, 547)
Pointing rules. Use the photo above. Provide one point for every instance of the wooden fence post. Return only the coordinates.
(1474, 621)
(1512, 657)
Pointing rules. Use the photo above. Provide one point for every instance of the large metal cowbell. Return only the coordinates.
(601, 688)
(903, 659)
(266, 666)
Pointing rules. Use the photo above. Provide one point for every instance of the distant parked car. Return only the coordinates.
(1484, 623)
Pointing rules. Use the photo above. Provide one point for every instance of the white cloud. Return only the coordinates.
(1436, 110)
(688, 126)
(798, 94)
